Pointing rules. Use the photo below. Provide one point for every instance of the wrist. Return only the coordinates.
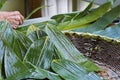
(3, 15)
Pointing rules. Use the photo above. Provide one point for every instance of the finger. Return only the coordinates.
(16, 19)
(14, 26)
(14, 13)
(17, 15)
(13, 21)
(21, 19)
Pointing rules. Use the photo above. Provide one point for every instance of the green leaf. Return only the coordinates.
(13, 43)
(34, 33)
(33, 36)
(71, 71)
(92, 16)
(49, 75)
(38, 22)
(1, 58)
(15, 39)
(2, 2)
(111, 32)
(66, 48)
(40, 73)
(13, 65)
(112, 1)
(23, 75)
(35, 10)
(35, 73)
(103, 22)
(63, 44)
(36, 48)
(31, 28)
(2, 48)
(61, 18)
(43, 51)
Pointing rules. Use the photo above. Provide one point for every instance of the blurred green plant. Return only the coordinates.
(2, 2)
(35, 10)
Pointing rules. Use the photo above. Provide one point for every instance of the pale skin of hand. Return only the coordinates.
(15, 18)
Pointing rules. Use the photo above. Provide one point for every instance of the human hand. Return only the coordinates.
(14, 18)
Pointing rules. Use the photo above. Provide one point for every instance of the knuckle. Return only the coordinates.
(17, 12)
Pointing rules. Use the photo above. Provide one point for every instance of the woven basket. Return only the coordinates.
(103, 51)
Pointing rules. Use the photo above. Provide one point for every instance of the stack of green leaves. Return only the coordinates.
(41, 55)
